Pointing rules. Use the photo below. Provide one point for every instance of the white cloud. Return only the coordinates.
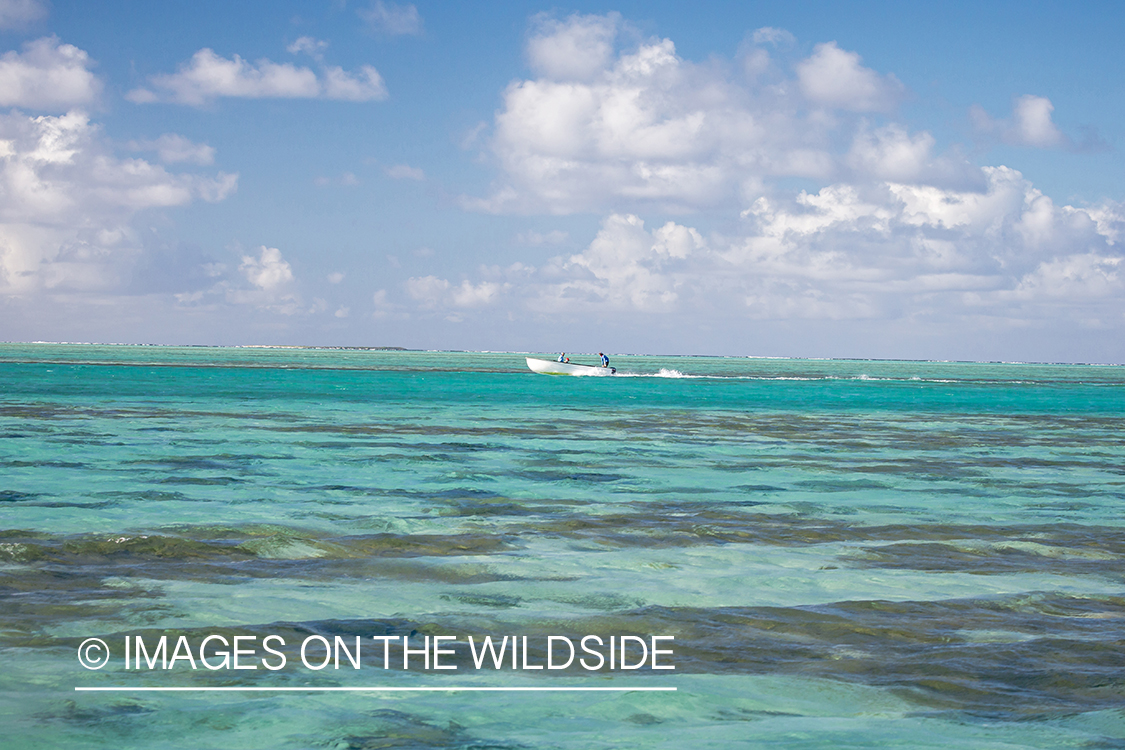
(1109, 220)
(269, 271)
(364, 85)
(625, 130)
(172, 148)
(392, 19)
(1033, 126)
(263, 281)
(476, 295)
(67, 204)
(1030, 125)
(908, 249)
(81, 172)
(892, 153)
(47, 76)
(208, 76)
(641, 131)
(311, 46)
(882, 252)
(1085, 276)
(433, 292)
(834, 77)
(573, 50)
(16, 14)
(770, 35)
(429, 290)
(626, 266)
(218, 188)
(405, 172)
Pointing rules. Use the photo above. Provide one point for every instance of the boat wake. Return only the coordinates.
(677, 375)
(666, 373)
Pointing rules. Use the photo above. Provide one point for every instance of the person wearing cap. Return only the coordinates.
(563, 357)
(605, 359)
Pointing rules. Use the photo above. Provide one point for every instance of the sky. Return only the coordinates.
(798, 179)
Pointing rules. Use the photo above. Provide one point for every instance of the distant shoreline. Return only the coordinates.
(316, 347)
(222, 346)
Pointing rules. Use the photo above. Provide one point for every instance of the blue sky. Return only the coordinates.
(776, 179)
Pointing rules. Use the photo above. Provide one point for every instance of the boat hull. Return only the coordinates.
(566, 368)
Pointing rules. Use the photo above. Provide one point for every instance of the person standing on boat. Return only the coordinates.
(605, 359)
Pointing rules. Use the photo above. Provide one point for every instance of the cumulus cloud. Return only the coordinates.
(268, 271)
(392, 19)
(643, 130)
(172, 148)
(627, 266)
(628, 128)
(48, 76)
(879, 252)
(434, 292)
(364, 85)
(67, 204)
(208, 76)
(476, 295)
(16, 14)
(573, 50)
(429, 290)
(263, 281)
(218, 188)
(893, 153)
(1032, 124)
(770, 35)
(834, 77)
(311, 46)
(895, 250)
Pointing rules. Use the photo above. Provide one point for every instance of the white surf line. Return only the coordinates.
(457, 689)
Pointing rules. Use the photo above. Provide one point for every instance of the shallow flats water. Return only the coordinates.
(843, 553)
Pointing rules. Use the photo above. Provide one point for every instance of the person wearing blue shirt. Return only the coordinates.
(605, 359)
(563, 357)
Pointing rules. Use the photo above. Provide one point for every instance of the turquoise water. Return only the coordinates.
(847, 553)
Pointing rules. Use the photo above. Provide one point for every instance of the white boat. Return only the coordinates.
(566, 368)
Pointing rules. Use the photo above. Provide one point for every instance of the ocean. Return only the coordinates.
(785, 553)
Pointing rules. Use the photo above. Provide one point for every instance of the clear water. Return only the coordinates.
(848, 553)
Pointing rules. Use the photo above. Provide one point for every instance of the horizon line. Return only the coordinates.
(408, 350)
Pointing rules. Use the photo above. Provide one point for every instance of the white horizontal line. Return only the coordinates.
(371, 689)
